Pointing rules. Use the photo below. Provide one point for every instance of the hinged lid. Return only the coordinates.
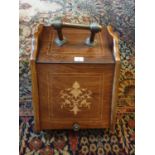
(74, 50)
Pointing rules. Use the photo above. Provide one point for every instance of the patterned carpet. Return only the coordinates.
(118, 13)
(121, 15)
(84, 142)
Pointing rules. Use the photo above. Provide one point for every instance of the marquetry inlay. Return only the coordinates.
(75, 98)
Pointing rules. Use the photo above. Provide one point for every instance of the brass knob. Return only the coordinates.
(76, 127)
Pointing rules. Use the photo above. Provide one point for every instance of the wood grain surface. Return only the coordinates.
(66, 92)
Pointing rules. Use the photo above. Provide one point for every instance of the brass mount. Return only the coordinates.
(61, 40)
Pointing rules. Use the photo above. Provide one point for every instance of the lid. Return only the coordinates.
(75, 50)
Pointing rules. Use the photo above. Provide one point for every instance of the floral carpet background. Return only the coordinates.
(118, 13)
(121, 15)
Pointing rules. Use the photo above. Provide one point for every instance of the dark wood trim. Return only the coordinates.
(116, 54)
(35, 42)
(35, 95)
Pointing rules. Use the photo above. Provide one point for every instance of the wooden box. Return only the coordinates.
(74, 86)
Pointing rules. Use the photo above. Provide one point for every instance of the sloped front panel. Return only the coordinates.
(75, 94)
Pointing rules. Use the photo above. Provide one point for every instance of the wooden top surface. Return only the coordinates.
(48, 52)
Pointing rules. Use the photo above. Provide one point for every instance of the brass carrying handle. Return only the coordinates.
(90, 41)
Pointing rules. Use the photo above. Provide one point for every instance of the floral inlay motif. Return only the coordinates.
(75, 98)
